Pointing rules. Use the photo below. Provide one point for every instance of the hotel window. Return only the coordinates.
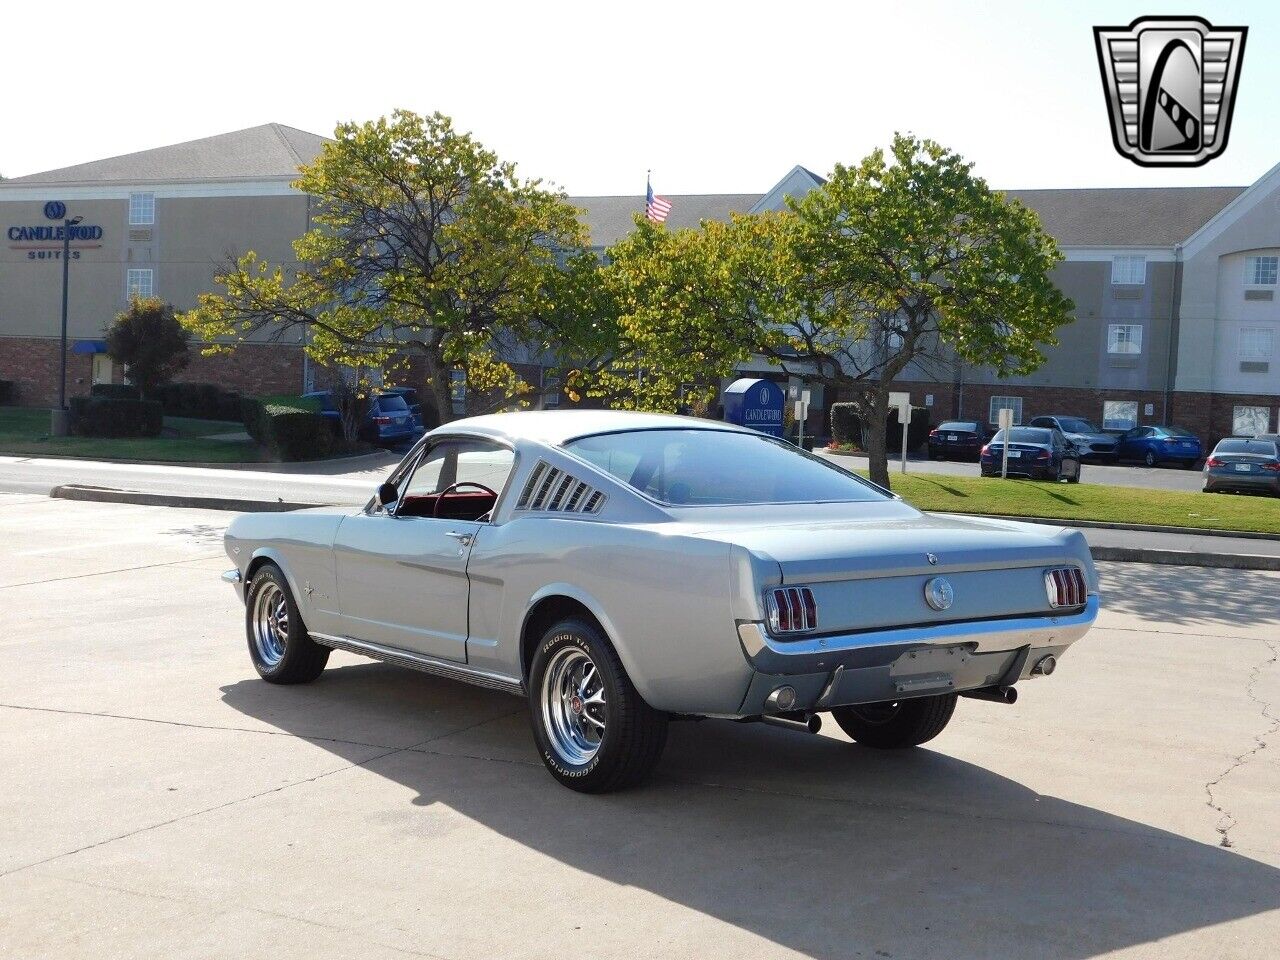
(1255, 344)
(1119, 414)
(1260, 271)
(1250, 421)
(1129, 269)
(1000, 403)
(138, 283)
(1124, 338)
(142, 209)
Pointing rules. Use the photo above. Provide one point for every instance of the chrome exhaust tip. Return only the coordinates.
(781, 700)
(1045, 666)
(800, 722)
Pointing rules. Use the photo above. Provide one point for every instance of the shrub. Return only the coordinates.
(115, 391)
(116, 417)
(6, 391)
(148, 340)
(846, 427)
(290, 427)
(201, 401)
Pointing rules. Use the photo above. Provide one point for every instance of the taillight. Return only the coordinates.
(1212, 462)
(1273, 467)
(791, 610)
(382, 421)
(933, 432)
(986, 449)
(1042, 455)
(1065, 587)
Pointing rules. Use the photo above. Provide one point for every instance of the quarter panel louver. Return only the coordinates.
(555, 491)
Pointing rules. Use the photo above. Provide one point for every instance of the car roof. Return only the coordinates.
(555, 427)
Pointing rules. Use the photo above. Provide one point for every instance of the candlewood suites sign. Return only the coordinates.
(45, 241)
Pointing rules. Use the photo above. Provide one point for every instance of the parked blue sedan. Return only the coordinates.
(1154, 445)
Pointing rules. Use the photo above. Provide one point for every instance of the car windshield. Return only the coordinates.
(391, 403)
(719, 468)
(1260, 447)
(969, 427)
(1078, 425)
(1024, 435)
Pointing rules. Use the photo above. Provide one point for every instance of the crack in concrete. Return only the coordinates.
(255, 796)
(105, 573)
(1227, 820)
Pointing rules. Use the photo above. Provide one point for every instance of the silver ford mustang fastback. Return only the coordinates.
(624, 570)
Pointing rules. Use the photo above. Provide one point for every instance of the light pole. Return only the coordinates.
(59, 425)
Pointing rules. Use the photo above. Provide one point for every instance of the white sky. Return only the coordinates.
(715, 97)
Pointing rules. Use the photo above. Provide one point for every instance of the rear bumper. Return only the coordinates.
(1238, 481)
(911, 661)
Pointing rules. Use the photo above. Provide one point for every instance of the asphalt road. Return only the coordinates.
(1156, 478)
(159, 800)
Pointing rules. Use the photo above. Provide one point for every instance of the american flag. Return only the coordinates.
(655, 208)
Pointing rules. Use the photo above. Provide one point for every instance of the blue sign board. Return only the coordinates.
(756, 404)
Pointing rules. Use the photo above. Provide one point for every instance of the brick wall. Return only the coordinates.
(252, 368)
(32, 364)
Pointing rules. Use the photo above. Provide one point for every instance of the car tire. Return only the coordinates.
(1150, 459)
(279, 645)
(899, 724)
(590, 745)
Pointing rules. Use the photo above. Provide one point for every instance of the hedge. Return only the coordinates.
(846, 427)
(290, 426)
(115, 391)
(201, 401)
(115, 417)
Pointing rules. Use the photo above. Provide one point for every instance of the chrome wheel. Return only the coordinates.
(574, 711)
(270, 624)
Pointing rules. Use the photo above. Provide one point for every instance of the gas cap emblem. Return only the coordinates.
(932, 558)
(939, 593)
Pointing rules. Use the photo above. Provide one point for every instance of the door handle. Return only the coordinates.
(463, 538)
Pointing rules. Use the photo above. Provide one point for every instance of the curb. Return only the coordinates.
(266, 466)
(1185, 558)
(1137, 527)
(107, 495)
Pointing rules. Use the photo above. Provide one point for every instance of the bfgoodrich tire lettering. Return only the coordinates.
(279, 645)
(594, 732)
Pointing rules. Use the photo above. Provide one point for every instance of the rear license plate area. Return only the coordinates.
(929, 668)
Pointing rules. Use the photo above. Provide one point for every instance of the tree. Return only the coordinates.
(901, 264)
(426, 244)
(150, 342)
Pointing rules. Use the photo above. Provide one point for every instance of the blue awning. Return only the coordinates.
(90, 346)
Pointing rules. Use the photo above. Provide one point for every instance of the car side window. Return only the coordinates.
(433, 488)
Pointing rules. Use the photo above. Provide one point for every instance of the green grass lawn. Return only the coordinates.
(1089, 501)
(26, 432)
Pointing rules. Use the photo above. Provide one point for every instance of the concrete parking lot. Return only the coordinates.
(158, 800)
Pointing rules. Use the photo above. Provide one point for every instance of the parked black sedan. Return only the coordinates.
(958, 439)
(1243, 464)
(1034, 452)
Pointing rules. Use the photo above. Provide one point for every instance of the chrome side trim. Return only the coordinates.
(824, 654)
(231, 576)
(416, 661)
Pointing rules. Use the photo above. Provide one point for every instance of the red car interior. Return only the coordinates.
(468, 505)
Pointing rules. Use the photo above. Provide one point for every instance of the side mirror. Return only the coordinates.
(387, 494)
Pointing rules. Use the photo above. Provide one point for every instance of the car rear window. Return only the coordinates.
(719, 468)
(1025, 435)
(1178, 432)
(1263, 448)
(1078, 425)
(969, 427)
(391, 403)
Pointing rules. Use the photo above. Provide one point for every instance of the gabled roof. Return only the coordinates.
(1125, 216)
(609, 218)
(271, 151)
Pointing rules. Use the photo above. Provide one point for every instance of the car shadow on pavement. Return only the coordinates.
(820, 846)
(1190, 596)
